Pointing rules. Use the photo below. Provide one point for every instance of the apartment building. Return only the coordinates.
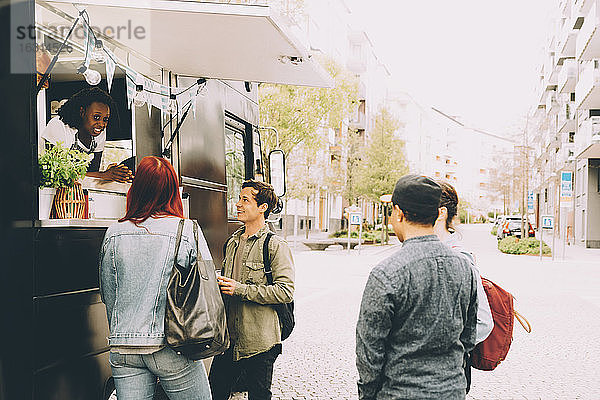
(441, 146)
(566, 121)
(329, 27)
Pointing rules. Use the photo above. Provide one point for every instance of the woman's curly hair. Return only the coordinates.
(449, 199)
(70, 114)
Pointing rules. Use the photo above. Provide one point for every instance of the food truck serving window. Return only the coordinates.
(234, 167)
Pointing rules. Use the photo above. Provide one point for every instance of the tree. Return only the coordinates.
(384, 161)
(302, 117)
(300, 113)
(501, 180)
(305, 174)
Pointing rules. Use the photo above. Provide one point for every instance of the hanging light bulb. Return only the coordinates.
(172, 107)
(98, 53)
(92, 77)
(140, 96)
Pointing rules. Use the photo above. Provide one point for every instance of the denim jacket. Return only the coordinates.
(135, 266)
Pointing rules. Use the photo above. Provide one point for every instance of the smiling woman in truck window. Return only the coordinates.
(81, 125)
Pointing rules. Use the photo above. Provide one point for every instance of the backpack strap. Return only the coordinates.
(523, 321)
(267, 259)
(225, 247)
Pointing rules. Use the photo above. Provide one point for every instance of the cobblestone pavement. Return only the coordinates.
(558, 360)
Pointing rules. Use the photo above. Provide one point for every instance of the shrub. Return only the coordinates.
(494, 231)
(514, 245)
(374, 236)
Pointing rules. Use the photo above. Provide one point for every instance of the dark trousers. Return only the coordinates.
(468, 366)
(257, 370)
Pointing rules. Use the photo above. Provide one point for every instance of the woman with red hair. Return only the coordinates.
(136, 259)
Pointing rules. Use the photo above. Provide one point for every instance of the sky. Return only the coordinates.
(475, 59)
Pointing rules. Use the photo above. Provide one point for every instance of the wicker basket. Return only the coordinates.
(69, 202)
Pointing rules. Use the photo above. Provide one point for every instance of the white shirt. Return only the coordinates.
(57, 131)
(485, 322)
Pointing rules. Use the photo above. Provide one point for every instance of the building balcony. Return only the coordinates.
(567, 40)
(567, 77)
(565, 7)
(358, 121)
(587, 139)
(550, 70)
(582, 6)
(540, 110)
(566, 118)
(587, 90)
(551, 103)
(587, 46)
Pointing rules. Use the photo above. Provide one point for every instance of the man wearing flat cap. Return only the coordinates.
(419, 308)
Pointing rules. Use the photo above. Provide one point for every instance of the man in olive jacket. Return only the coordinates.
(252, 321)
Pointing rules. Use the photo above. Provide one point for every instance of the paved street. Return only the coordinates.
(559, 360)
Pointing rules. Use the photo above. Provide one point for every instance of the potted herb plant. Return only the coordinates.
(60, 168)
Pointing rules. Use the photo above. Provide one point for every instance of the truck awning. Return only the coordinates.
(211, 40)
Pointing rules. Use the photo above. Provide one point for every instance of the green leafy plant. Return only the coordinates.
(62, 167)
(514, 245)
(494, 231)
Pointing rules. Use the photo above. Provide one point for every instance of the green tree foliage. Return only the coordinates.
(303, 114)
(383, 162)
(354, 144)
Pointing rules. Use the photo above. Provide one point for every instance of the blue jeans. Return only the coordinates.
(135, 376)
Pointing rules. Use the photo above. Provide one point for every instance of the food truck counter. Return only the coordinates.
(74, 223)
(107, 202)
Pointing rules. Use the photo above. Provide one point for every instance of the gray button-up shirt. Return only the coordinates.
(417, 320)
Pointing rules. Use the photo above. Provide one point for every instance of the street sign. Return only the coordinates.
(530, 201)
(547, 222)
(355, 218)
(566, 189)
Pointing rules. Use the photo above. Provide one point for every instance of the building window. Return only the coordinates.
(571, 137)
(447, 161)
(447, 176)
(545, 196)
(482, 171)
(437, 158)
(481, 184)
(437, 174)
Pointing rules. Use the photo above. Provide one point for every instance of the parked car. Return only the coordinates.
(497, 220)
(510, 225)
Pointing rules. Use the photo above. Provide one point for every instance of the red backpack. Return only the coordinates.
(488, 354)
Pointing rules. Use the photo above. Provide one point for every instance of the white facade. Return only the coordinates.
(440, 146)
(328, 27)
(567, 117)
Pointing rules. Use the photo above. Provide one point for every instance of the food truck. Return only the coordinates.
(184, 78)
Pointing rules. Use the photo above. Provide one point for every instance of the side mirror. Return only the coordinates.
(277, 171)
